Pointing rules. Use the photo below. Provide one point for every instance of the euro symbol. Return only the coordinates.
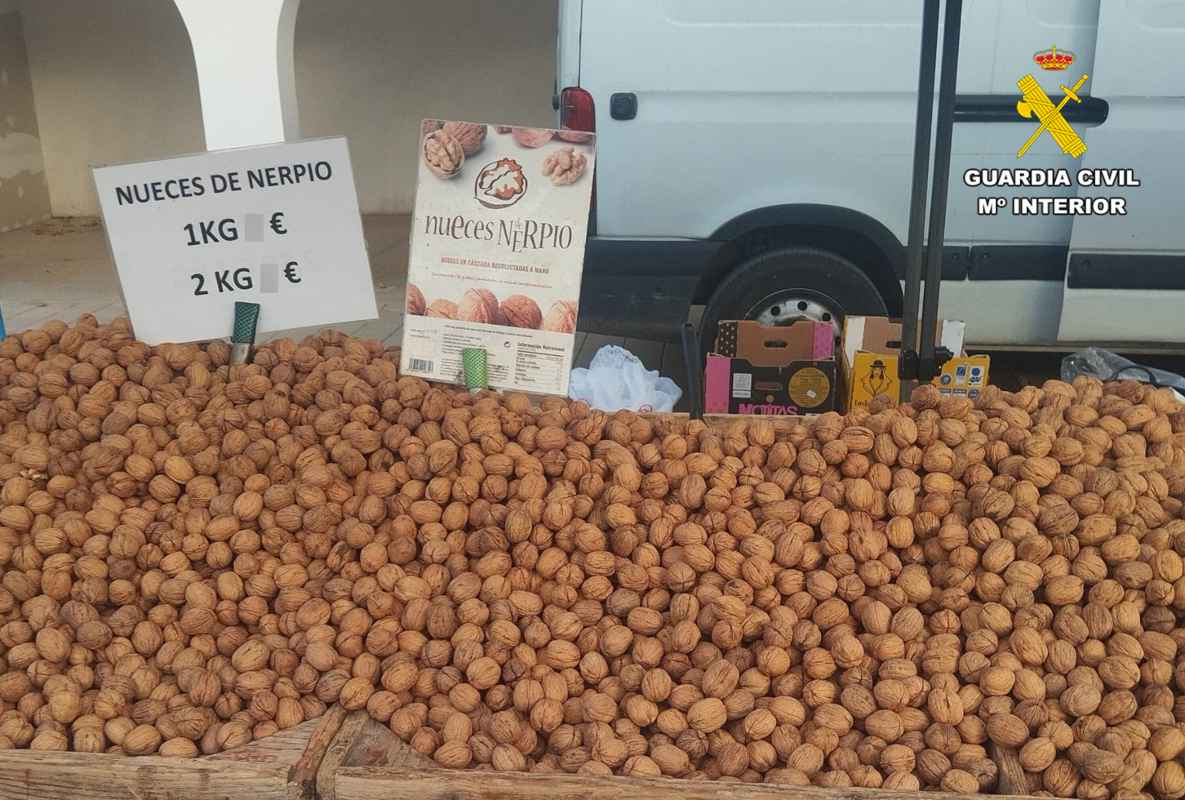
(277, 223)
(290, 272)
(1037, 102)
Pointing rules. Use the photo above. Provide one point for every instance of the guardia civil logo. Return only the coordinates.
(1035, 103)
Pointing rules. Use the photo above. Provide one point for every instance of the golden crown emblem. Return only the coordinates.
(1053, 58)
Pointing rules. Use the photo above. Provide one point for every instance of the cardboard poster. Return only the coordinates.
(276, 225)
(497, 251)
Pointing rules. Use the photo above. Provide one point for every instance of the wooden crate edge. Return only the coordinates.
(280, 766)
(393, 783)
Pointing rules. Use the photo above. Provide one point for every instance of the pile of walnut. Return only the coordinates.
(195, 556)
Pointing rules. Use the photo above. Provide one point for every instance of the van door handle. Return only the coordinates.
(623, 105)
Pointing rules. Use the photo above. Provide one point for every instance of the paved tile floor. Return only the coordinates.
(61, 268)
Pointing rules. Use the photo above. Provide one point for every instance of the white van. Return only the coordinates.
(755, 156)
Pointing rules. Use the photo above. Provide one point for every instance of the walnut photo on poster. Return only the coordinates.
(561, 317)
(416, 304)
(480, 305)
(442, 309)
(564, 166)
(443, 154)
(531, 137)
(522, 312)
(500, 184)
(470, 135)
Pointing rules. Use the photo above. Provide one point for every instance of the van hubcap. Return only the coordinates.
(784, 309)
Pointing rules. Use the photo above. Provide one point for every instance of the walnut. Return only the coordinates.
(141, 740)
(443, 154)
(531, 137)
(522, 312)
(442, 309)
(471, 135)
(564, 166)
(707, 715)
(561, 318)
(480, 305)
(453, 755)
(575, 137)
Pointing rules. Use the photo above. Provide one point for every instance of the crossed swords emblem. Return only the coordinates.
(1037, 102)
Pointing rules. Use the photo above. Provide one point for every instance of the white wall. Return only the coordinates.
(372, 69)
(114, 81)
(24, 194)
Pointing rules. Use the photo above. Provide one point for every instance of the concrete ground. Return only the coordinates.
(61, 268)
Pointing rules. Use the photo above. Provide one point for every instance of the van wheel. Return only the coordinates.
(791, 283)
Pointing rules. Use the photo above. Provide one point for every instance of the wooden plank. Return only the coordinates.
(380, 783)
(1012, 779)
(303, 775)
(282, 766)
(97, 776)
(363, 742)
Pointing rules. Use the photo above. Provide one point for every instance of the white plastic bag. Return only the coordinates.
(617, 380)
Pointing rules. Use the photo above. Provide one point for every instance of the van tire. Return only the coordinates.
(825, 284)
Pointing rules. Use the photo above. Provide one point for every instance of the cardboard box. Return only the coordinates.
(757, 369)
(871, 351)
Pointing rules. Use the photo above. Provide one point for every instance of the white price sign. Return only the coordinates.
(276, 225)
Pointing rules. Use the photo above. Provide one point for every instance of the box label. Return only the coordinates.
(276, 225)
(809, 387)
(742, 385)
(497, 252)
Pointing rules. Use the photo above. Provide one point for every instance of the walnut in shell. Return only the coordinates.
(480, 305)
(561, 317)
(471, 135)
(415, 300)
(443, 154)
(522, 312)
(575, 137)
(531, 137)
(442, 309)
(564, 166)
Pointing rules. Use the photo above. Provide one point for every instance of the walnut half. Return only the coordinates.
(561, 317)
(564, 166)
(443, 154)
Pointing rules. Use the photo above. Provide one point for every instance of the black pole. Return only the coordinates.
(694, 363)
(907, 365)
(927, 367)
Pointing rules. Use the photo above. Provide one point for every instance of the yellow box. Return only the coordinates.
(871, 351)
